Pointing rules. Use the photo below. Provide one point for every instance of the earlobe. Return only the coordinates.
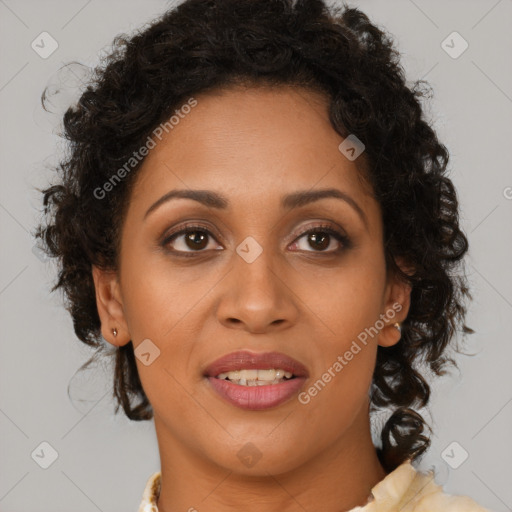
(396, 308)
(110, 308)
(390, 335)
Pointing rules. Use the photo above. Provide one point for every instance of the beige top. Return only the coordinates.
(403, 489)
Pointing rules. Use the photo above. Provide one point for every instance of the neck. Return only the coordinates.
(337, 479)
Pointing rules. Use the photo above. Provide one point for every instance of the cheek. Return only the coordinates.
(343, 302)
(157, 295)
(334, 397)
(346, 311)
(160, 305)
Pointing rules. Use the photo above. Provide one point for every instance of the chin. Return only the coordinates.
(261, 457)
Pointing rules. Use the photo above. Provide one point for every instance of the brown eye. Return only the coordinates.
(196, 239)
(190, 239)
(320, 238)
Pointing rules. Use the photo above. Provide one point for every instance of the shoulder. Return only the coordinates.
(409, 490)
(429, 497)
(151, 493)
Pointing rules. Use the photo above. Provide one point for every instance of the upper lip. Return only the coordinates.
(244, 359)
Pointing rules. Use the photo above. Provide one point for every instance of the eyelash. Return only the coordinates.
(323, 228)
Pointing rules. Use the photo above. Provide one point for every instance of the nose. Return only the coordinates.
(256, 296)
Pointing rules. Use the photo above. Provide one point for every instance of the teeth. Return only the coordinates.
(255, 377)
(266, 374)
(249, 374)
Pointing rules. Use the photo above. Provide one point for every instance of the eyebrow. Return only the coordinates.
(295, 200)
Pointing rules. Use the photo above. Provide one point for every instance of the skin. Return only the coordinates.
(299, 297)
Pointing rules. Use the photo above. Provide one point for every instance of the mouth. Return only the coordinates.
(256, 381)
(256, 377)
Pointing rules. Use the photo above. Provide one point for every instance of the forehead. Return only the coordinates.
(250, 144)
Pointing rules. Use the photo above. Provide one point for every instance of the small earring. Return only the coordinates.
(398, 326)
(114, 332)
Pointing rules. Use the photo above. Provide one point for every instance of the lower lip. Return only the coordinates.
(256, 398)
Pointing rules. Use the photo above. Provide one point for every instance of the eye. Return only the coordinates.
(194, 239)
(321, 237)
(190, 239)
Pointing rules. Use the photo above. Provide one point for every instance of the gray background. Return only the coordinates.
(104, 460)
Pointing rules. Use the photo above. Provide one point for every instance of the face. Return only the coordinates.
(201, 281)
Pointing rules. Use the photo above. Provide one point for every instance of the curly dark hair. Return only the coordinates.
(206, 45)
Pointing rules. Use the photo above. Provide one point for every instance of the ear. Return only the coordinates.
(397, 301)
(110, 307)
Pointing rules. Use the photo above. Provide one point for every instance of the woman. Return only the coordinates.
(256, 215)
